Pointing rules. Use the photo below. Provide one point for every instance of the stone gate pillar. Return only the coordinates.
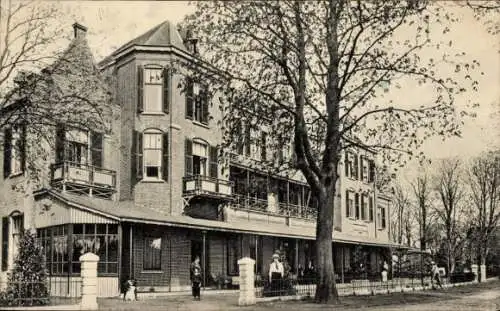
(474, 269)
(89, 281)
(247, 282)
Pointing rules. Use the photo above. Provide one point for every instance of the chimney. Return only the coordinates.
(79, 30)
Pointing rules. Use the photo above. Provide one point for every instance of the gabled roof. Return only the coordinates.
(162, 35)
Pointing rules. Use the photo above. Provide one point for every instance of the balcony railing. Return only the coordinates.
(83, 179)
(198, 185)
(283, 209)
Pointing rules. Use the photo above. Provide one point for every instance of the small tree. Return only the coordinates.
(27, 281)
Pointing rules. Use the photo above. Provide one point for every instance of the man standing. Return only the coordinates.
(196, 277)
(435, 275)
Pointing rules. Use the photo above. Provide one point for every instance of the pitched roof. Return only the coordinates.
(164, 34)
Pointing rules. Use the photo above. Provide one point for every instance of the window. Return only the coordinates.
(101, 239)
(263, 146)
(14, 151)
(351, 166)
(5, 243)
(151, 156)
(199, 159)
(382, 211)
(371, 171)
(349, 203)
(381, 220)
(233, 255)
(370, 206)
(196, 101)
(364, 169)
(17, 231)
(79, 147)
(153, 89)
(364, 207)
(152, 254)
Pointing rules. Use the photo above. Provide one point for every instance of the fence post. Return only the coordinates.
(89, 281)
(247, 282)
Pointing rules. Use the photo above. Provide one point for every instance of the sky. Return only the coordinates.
(111, 24)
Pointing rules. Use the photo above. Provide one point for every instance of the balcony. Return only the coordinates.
(83, 179)
(208, 187)
(280, 209)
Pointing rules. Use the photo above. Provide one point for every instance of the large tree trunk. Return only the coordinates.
(326, 291)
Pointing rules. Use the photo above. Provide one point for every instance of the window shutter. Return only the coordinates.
(60, 137)
(5, 243)
(188, 156)
(166, 89)
(189, 99)
(22, 147)
(371, 175)
(361, 170)
(370, 205)
(165, 163)
(140, 89)
(363, 212)
(137, 156)
(347, 210)
(96, 148)
(204, 105)
(356, 167)
(239, 137)
(247, 139)
(356, 202)
(214, 168)
(7, 152)
(263, 147)
(346, 164)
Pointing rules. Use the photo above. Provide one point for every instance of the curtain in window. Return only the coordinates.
(152, 254)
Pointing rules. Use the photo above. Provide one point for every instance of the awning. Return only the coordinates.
(126, 211)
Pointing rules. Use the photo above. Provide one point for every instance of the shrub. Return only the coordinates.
(27, 283)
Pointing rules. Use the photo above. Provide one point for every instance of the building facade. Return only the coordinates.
(150, 193)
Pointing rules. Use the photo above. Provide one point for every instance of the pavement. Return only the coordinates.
(480, 297)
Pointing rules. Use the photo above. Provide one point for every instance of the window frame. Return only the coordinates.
(145, 134)
(145, 85)
(147, 247)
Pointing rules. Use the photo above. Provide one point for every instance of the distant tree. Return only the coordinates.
(422, 191)
(484, 181)
(315, 73)
(402, 217)
(449, 186)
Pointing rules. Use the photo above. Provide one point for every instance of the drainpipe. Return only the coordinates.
(131, 272)
(204, 258)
